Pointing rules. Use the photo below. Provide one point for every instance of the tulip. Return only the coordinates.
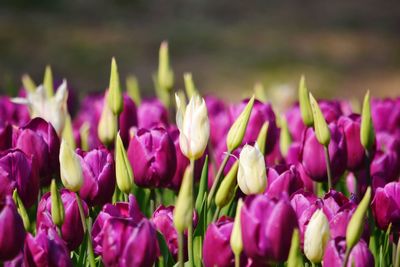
(313, 157)
(57, 206)
(194, 127)
(98, 176)
(18, 172)
(6, 137)
(316, 237)
(295, 123)
(360, 255)
(236, 240)
(123, 170)
(39, 140)
(127, 119)
(385, 206)
(133, 90)
(46, 249)
(227, 188)
(153, 157)
(367, 133)
(262, 137)
(288, 181)
(261, 113)
(251, 175)
(216, 247)
(304, 101)
(184, 203)
(152, 113)
(114, 97)
(220, 119)
(165, 74)
(126, 243)
(13, 113)
(126, 210)
(351, 127)
(72, 230)
(107, 126)
(267, 228)
(322, 131)
(385, 114)
(12, 232)
(285, 138)
(70, 168)
(295, 257)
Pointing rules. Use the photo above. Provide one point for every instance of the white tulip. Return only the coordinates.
(70, 168)
(316, 236)
(194, 126)
(252, 178)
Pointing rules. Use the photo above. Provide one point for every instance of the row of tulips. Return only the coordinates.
(126, 181)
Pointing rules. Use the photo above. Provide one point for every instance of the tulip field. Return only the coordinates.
(185, 179)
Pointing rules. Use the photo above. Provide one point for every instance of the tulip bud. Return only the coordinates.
(262, 137)
(165, 75)
(295, 258)
(304, 101)
(67, 133)
(114, 96)
(123, 169)
(316, 237)
(183, 208)
(194, 127)
(251, 176)
(355, 227)
(367, 128)
(57, 207)
(108, 126)
(28, 83)
(322, 131)
(132, 86)
(285, 137)
(190, 88)
(259, 92)
(48, 81)
(227, 188)
(84, 132)
(70, 168)
(238, 128)
(21, 210)
(236, 236)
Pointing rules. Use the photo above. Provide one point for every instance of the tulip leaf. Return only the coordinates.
(166, 258)
(203, 186)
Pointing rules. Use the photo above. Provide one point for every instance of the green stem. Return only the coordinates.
(328, 167)
(152, 201)
(346, 257)
(181, 260)
(90, 245)
(397, 261)
(190, 228)
(217, 179)
(216, 214)
(237, 260)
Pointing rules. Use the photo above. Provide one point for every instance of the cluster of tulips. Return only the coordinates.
(181, 180)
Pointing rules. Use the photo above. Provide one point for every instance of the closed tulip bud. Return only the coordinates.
(165, 75)
(21, 210)
(189, 85)
(236, 236)
(322, 131)
(238, 128)
(70, 168)
(262, 137)
(194, 127)
(57, 207)
(183, 208)
(252, 178)
(123, 169)
(227, 188)
(367, 133)
(68, 133)
(355, 227)
(132, 87)
(48, 81)
(304, 101)
(285, 138)
(152, 113)
(108, 126)
(316, 236)
(295, 258)
(114, 97)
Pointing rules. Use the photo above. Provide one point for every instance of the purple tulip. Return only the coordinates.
(387, 157)
(295, 123)
(127, 119)
(261, 113)
(385, 115)
(267, 228)
(12, 232)
(72, 229)
(39, 139)
(6, 137)
(46, 249)
(153, 157)
(12, 113)
(313, 156)
(220, 119)
(335, 251)
(386, 206)
(331, 109)
(18, 172)
(129, 211)
(17, 261)
(288, 181)
(152, 113)
(98, 176)
(216, 247)
(355, 152)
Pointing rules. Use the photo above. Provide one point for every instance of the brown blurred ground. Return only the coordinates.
(343, 47)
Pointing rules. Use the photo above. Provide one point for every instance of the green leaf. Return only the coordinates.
(203, 186)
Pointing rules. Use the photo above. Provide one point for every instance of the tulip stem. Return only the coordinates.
(346, 257)
(216, 214)
(237, 260)
(397, 261)
(190, 228)
(328, 167)
(90, 245)
(217, 179)
(180, 249)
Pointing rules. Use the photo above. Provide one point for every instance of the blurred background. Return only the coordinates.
(343, 47)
